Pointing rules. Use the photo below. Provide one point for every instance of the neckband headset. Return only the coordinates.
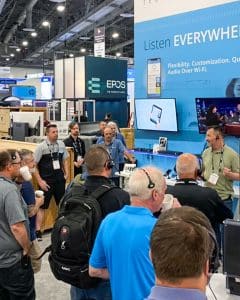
(151, 184)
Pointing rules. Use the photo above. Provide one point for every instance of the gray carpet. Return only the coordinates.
(47, 287)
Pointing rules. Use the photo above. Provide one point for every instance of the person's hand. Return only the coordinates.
(66, 176)
(176, 203)
(78, 163)
(227, 172)
(43, 185)
(39, 201)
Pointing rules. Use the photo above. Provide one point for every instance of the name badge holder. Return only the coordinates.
(55, 161)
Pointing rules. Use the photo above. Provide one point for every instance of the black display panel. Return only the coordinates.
(223, 112)
(156, 114)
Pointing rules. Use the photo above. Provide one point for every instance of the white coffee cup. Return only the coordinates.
(39, 193)
(167, 202)
(25, 173)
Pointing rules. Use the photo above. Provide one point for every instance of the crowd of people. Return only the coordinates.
(133, 224)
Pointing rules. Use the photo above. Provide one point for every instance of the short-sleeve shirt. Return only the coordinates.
(214, 162)
(45, 153)
(122, 246)
(116, 151)
(13, 210)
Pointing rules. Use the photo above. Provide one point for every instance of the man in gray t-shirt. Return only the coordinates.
(16, 274)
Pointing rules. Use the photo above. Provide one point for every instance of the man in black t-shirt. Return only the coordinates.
(78, 147)
(99, 165)
(205, 199)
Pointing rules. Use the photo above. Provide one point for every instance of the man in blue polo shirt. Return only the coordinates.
(184, 253)
(121, 249)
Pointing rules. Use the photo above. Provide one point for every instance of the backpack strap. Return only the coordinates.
(103, 189)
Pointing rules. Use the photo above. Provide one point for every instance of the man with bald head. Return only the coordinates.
(121, 249)
(205, 199)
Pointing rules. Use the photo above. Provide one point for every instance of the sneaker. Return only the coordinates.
(39, 235)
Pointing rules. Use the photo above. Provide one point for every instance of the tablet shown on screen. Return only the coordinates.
(156, 114)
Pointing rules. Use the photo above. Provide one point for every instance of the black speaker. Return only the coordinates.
(231, 251)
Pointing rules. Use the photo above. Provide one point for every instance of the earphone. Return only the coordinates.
(151, 184)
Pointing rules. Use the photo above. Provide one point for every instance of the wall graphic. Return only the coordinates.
(199, 51)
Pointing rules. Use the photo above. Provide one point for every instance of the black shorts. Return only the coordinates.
(57, 189)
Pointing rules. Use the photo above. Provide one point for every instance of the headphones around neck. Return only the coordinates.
(151, 184)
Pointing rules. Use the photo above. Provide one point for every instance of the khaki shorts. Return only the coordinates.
(34, 252)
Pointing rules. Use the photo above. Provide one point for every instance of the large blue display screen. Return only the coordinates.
(24, 92)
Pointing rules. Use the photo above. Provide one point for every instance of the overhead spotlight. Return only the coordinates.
(127, 15)
(115, 35)
(45, 23)
(7, 59)
(71, 55)
(28, 29)
(84, 38)
(83, 50)
(18, 49)
(60, 8)
(25, 43)
(12, 54)
(34, 34)
(118, 54)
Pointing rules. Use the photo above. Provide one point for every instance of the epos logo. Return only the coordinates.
(111, 84)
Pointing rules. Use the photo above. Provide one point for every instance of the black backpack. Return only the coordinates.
(74, 233)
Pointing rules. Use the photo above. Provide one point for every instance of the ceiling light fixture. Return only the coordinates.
(84, 38)
(45, 23)
(115, 35)
(18, 49)
(25, 43)
(118, 54)
(12, 54)
(71, 55)
(60, 8)
(34, 34)
(127, 15)
(57, 1)
(83, 50)
(7, 59)
(28, 29)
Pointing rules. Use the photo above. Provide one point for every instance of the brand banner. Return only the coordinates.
(199, 52)
(106, 78)
(99, 41)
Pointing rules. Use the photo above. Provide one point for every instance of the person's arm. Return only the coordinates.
(65, 169)
(231, 175)
(101, 273)
(42, 183)
(20, 233)
(129, 156)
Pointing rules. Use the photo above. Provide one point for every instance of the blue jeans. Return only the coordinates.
(101, 292)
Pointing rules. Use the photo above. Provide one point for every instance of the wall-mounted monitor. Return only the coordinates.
(156, 114)
(223, 112)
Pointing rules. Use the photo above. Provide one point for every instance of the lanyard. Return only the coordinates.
(220, 161)
(52, 150)
(75, 144)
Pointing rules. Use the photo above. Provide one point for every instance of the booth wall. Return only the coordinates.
(199, 51)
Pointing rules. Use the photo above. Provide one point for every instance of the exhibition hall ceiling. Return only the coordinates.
(26, 42)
